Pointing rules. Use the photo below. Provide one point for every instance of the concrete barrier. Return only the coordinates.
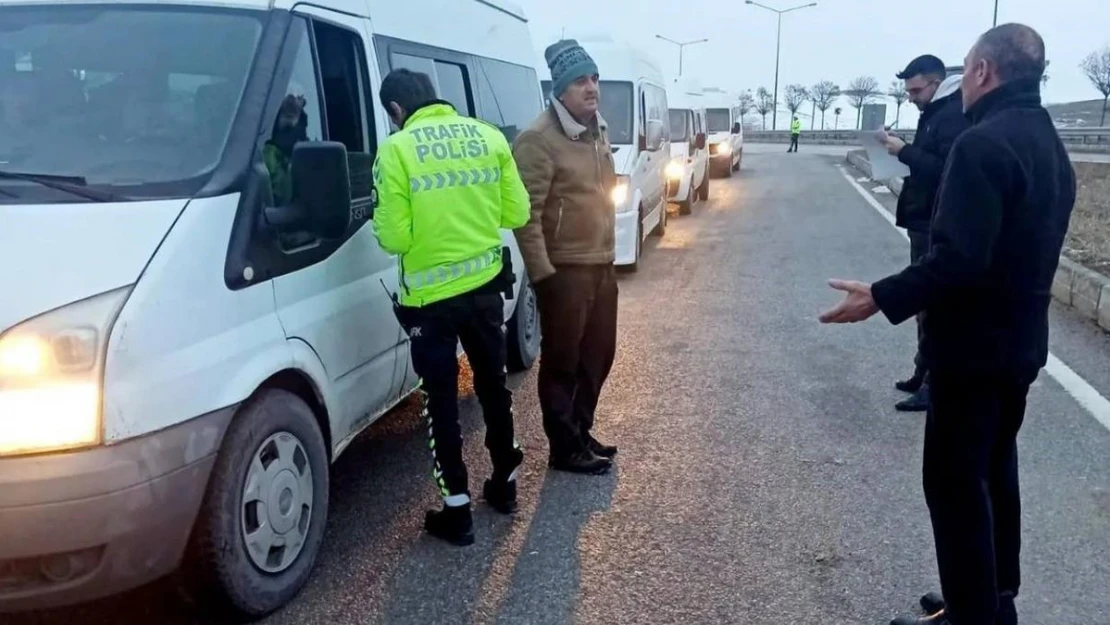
(1087, 291)
(1094, 140)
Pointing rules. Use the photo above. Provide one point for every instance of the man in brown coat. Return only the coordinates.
(567, 166)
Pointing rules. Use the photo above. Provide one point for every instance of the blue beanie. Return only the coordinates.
(568, 62)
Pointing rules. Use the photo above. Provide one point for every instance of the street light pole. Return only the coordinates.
(681, 46)
(995, 13)
(778, 51)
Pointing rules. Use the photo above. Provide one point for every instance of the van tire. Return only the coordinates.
(523, 328)
(218, 573)
(739, 159)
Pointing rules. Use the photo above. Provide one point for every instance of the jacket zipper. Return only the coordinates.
(559, 220)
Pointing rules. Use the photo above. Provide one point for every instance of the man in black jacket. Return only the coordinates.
(942, 120)
(1002, 213)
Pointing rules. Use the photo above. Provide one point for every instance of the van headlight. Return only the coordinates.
(722, 148)
(675, 169)
(619, 194)
(51, 370)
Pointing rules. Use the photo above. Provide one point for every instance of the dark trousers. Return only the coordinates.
(793, 143)
(475, 319)
(578, 315)
(919, 247)
(971, 487)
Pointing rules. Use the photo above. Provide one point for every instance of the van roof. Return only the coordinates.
(495, 29)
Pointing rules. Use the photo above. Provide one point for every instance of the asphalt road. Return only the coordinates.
(763, 477)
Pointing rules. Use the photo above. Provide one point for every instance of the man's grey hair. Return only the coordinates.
(1015, 50)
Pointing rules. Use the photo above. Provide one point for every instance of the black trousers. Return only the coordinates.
(793, 143)
(971, 487)
(919, 247)
(475, 319)
(578, 315)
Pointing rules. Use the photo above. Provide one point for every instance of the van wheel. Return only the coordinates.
(703, 190)
(686, 206)
(739, 159)
(524, 328)
(661, 227)
(262, 521)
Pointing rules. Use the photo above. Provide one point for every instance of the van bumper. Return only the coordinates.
(625, 239)
(82, 525)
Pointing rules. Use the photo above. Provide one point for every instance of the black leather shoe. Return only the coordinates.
(913, 384)
(500, 495)
(583, 462)
(604, 451)
(932, 602)
(918, 402)
(452, 524)
(937, 619)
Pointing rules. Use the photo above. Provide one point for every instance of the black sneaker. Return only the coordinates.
(932, 602)
(452, 524)
(918, 402)
(913, 384)
(500, 489)
(583, 462)
(937, 619)
(598, 449)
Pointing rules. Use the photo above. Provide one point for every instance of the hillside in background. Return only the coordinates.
(1084, 114)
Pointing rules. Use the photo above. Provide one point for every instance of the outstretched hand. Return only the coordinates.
(858, 305)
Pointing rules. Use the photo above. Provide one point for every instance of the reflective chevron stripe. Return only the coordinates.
(445, 273)
(454, 178)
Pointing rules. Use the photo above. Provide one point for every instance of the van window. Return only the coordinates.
(347, 103)
(77, 103)
(450, 79)
(299, 117)
(508, 96)
(617, 108)
(680, 122)
(718, 120)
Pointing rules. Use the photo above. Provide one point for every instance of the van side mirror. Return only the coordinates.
(699, 142)
(736, 128)
(321, 184)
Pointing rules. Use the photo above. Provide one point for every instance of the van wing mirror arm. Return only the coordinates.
(284, 218)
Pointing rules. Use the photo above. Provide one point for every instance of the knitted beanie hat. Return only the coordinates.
(568, 62)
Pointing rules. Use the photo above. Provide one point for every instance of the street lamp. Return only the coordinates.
(778, 48)
(680, 45)
(995, 12)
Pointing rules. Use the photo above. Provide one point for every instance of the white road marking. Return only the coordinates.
(1080, 390)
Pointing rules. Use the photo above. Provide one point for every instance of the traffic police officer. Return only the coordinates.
(447, 185)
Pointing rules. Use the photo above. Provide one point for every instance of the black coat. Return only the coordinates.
(1002, 214)
(941, 122)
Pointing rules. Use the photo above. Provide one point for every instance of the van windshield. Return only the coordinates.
(616, 108)
(678, 124)
(134, 99)
(717, 120)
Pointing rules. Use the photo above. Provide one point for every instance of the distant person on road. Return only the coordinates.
(1002, 213)
(942, 120)
(795, 134)
(568, 247)
(452, 276)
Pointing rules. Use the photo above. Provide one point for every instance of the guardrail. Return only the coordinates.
(1076, 139)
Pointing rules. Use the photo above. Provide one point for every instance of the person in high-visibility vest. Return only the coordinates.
(447, 185)
(795, 134)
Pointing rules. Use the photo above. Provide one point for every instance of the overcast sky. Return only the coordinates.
(837, 40)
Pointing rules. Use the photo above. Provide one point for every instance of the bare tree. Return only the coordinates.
(863, 90)
(764, 104)
(898, 94)
(837, 112)
(1097, 69)
(794, 97)
(824, 94)
(746, 104)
